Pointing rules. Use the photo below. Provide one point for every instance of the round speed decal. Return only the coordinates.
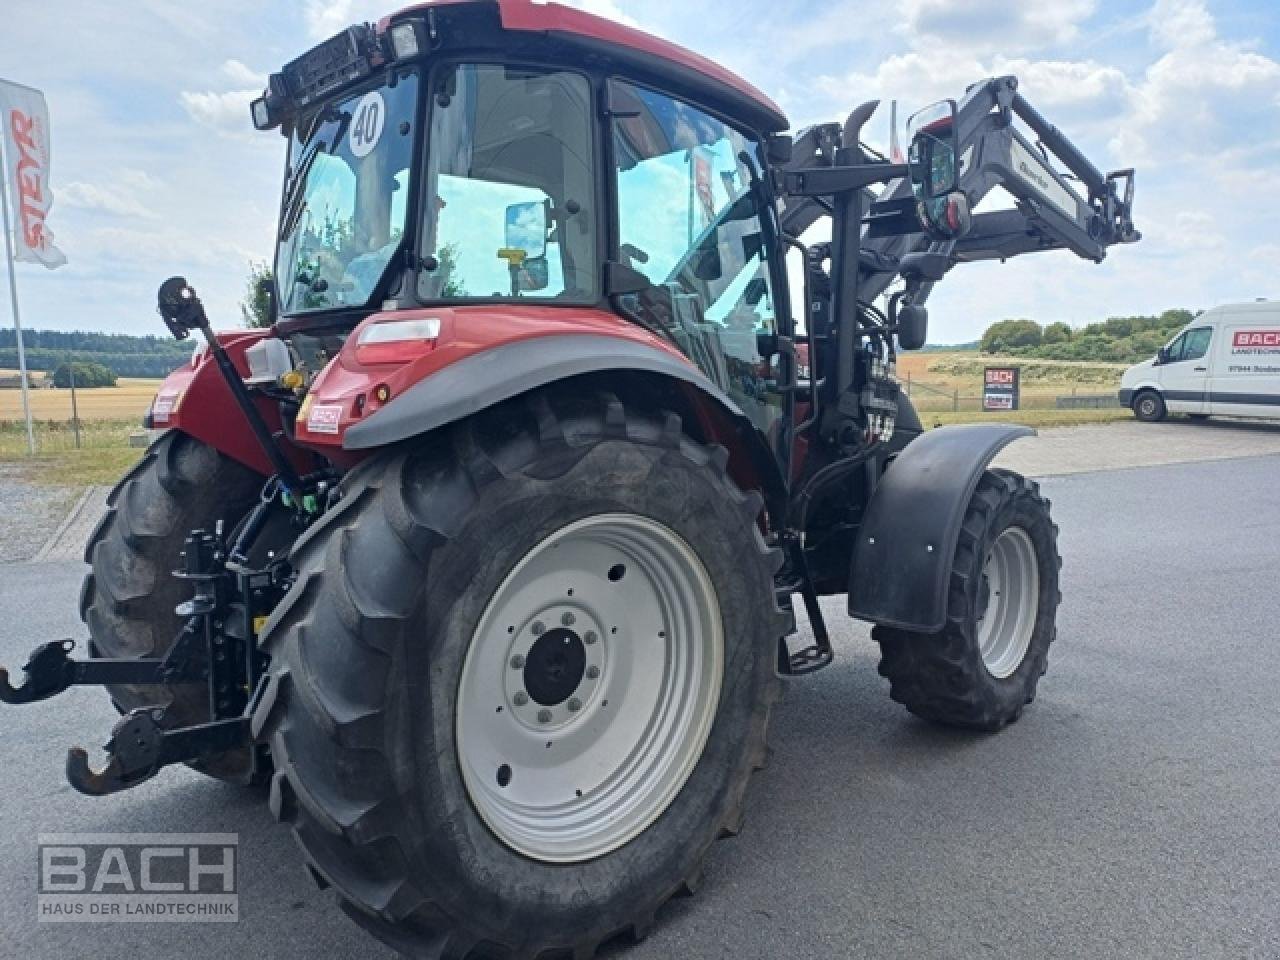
(367, 122)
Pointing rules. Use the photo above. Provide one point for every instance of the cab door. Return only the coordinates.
(1184, 371)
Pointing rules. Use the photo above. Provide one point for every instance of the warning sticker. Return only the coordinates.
(324, 418)
(163, 407)
(367, 121)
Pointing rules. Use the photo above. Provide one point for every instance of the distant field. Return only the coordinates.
(127, 400)
(936, 380)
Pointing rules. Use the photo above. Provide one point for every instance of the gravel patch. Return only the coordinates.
(29, 514)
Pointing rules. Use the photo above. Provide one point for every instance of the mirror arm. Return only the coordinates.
(828, 181)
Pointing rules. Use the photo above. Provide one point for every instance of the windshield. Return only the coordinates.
(345, 198)
(511, 193)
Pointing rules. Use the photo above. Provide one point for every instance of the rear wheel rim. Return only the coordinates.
(589, 689)
(1010, 602)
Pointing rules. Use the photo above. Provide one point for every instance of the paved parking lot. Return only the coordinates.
(1132, 812)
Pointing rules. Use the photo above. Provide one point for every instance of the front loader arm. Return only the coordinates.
(1081, 210)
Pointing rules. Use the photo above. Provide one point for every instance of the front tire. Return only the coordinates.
(459, 800)
(1148, 406)
(982, 668)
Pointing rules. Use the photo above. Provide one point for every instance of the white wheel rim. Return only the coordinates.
(589, 688)
(1008, 602)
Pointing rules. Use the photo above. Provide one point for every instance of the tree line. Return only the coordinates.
(1114, 340)
(121, 354)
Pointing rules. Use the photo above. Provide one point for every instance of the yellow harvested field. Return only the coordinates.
(128, 400)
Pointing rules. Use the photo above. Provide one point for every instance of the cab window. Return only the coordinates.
(510, 209)
(692, 222)
(1191, 345)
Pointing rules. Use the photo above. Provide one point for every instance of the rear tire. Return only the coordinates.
(371, 709)
(128, 597)
(982, 668)
(1148, 406)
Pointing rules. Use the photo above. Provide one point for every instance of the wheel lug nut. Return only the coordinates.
(520, 699)
(593, 672)
(517, 662)
(575, 705)
(590, 638)
(568, 619)
(544, 716)
(538, 628)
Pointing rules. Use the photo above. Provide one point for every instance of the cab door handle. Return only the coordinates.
(1201, 369)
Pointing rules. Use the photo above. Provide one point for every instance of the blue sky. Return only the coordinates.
(156, 169)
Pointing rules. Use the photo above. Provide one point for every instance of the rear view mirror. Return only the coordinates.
(913, 327)
(932, 156)
(934, 163)
(1162, 356)
(527, 229)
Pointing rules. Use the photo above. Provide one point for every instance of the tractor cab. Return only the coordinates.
(475, 159)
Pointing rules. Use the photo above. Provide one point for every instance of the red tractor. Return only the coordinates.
(486, 550)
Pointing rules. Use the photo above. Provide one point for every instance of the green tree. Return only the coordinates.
(86, 375)
(1056, 333)
(255, 308)
(453, 286)
(1010, 335)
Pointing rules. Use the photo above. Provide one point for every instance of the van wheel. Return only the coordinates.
(1148, 406)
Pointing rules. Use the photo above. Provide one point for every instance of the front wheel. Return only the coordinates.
(523, 678)
(982, 668)
(1149, 407)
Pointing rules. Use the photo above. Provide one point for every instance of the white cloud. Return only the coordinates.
(117, 201)
(993, 25)
(1202, 92)
(243, 76)
(226, 112)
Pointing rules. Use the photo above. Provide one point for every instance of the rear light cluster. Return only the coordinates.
(397, 341)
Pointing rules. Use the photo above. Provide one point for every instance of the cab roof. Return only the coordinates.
(628, 44)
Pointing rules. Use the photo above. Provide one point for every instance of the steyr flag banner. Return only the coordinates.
(25, 118)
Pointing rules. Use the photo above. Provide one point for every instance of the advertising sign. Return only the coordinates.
(25, 131)
(1000, 388)
(1255, 352)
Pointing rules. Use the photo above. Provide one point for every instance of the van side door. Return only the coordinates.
(1245, 380)
(1184, 371)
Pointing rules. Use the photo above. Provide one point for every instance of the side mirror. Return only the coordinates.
(945, 218)
(932, 156)
(778, 148)
(1162, 356)
(913, 327)
(266, 289)
(527, 229)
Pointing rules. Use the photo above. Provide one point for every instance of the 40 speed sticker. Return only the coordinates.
(367, 121)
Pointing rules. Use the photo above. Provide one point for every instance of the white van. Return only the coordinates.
(1225, 362)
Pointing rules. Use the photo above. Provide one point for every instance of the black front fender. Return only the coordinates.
(903, 554)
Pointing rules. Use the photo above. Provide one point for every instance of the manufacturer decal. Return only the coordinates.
(324, 418)
(1032, 170)
(163, 407)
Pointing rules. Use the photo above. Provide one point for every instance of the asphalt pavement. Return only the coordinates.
(1133, 812)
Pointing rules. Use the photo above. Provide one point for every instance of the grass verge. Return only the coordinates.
(1032, 418)
(103, 457)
